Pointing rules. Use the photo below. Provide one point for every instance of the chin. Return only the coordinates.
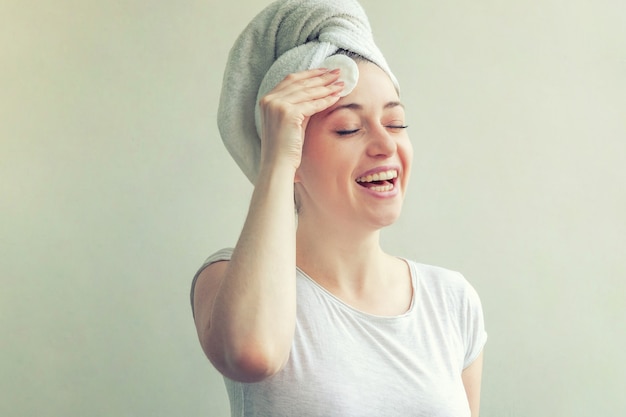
(382, 220)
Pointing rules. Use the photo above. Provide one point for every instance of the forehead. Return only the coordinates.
(372, 76)
(374, 89)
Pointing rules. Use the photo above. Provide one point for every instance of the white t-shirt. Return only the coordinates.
(348, 363)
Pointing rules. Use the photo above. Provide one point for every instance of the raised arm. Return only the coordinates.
(245, 308)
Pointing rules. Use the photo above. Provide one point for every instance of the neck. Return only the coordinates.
(347, 260)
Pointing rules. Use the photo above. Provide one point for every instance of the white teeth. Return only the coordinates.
(382, 188)
(379, 176)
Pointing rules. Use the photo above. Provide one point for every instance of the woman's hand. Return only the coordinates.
(286, 109)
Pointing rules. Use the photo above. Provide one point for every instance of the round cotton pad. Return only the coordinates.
(349, 71)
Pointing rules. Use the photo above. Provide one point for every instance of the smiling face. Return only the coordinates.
(357, 156)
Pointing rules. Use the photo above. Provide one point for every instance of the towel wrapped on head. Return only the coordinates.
(286, 37)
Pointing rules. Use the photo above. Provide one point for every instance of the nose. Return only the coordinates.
(381, 143)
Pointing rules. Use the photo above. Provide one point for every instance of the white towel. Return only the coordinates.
(286, 37)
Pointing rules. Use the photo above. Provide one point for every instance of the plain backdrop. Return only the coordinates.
(114, 187)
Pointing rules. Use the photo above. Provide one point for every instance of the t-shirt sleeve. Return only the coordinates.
(221, 255)
(475, 335)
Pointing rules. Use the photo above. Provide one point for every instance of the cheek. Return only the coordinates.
(312, 161)
(406, 149)
(325, 162)
(318, 152)
(313, 142)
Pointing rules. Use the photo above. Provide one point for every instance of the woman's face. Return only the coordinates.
(357, 156)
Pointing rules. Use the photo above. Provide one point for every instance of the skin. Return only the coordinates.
(472, 379)
(245, 308)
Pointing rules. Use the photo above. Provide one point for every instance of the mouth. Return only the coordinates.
(381, 181)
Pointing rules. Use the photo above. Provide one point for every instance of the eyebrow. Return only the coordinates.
(356, 106)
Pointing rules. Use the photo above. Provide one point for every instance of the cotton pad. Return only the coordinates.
(349, 71)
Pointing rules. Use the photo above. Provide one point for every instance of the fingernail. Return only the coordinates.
(335, 71)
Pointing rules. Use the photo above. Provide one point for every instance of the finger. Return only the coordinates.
(301, 102)
(316, 106)
(307, 79)
(298, 93)
(313, 105)
(302, 95)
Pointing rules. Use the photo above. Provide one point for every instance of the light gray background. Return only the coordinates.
(114, 186)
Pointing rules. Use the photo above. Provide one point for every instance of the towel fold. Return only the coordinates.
(286, 37)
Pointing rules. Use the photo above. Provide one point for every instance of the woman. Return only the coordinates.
(307, 315)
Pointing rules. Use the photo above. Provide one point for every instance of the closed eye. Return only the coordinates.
(353, 131)
(347, 132)
(396, 127)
